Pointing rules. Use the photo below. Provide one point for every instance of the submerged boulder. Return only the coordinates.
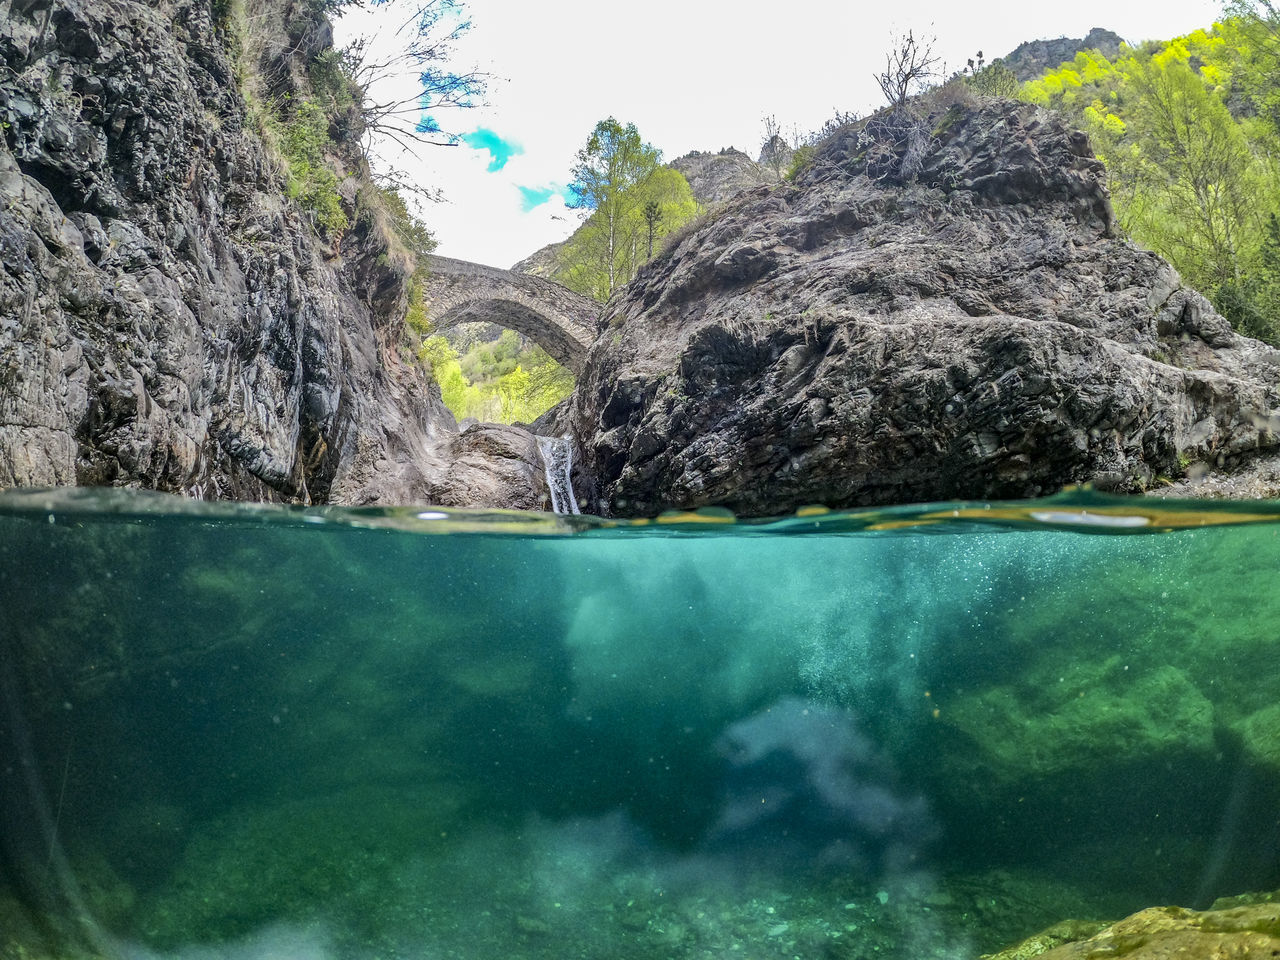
(1249, 930)
(937, 308)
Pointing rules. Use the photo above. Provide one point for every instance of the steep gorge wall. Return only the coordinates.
(168, 319)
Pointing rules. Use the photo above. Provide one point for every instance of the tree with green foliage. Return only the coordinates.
(611, 163)
(602, 254)
(1252, 304)
(500, 381)
(1250, 32)
(666, 195)
(1202, 168)
(652, 214)
(1185, 131)
(992, 79)
(445, 369)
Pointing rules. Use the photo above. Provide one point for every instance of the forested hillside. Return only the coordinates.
(500, 381)
(1189, 130)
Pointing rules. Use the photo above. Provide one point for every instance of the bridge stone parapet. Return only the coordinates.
(560, 321)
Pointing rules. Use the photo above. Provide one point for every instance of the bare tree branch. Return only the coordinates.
(908, 66)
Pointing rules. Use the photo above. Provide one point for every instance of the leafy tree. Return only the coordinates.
(1250, 30)
(500, 381)
(666, 194)
(613, 161)
(602, 255)
(447, 372)
(652, 214)
(1203, 168)
(1185, 131)
(1253, 303)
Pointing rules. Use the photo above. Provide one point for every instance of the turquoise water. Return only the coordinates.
(252, 732)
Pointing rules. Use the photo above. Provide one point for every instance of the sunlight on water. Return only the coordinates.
(233, 731)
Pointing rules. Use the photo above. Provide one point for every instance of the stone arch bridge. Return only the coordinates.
(560, 321)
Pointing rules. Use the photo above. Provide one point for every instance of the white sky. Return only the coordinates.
(693, 75)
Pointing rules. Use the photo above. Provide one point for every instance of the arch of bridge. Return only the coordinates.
(560, 321)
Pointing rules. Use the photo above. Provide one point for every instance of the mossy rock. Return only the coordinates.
(1159, 933)
(1260, 735)
(1066, 931)
(1092, 718)
(294, 860)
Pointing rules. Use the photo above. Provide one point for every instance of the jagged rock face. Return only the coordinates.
(167, 319)
(715, 177)
(853, 339)
(1030, 59)
(543, 262)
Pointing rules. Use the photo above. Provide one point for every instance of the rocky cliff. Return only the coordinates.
(168, 319)
(938, 308)
(1029, 60)
(715, 177)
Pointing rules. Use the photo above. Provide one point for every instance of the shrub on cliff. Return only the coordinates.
(312, 181)
(992, 79)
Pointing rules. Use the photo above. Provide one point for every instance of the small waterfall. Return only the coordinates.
(557, 454)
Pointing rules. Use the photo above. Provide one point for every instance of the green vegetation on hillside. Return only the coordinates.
(1189, 131)
(633, 203)
(501, 381)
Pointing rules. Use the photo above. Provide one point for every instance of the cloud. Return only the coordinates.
(531, 197)
(500, 151)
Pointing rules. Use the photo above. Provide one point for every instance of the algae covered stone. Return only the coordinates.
(1165, 932)
(1097, 716)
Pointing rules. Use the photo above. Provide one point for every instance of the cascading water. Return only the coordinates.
(557, 454)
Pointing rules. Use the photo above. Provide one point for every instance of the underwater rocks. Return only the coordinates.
(859, 336)
(1244, 931)
(168, 318)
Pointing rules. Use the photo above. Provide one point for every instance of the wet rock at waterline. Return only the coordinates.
(860, 336)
